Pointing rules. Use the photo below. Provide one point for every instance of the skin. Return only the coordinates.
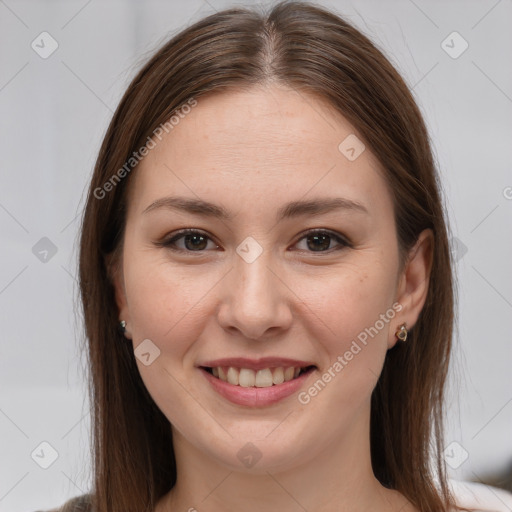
(251, 152)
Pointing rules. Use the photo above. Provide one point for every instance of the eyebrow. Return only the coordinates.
(289, 210)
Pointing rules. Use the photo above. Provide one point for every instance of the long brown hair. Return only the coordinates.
(312, 50)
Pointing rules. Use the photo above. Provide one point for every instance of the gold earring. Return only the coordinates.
(401, 332)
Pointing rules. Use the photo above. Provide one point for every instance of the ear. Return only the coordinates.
(114, 265)
(414, 281)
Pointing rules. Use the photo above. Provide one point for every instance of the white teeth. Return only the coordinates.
(233, 376)
(247, 378)
(288, 373)
(278, 377)
(263, 378)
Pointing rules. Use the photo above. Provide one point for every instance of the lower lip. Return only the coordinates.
(256, 397)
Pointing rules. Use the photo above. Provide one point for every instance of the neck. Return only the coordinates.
(339, 478)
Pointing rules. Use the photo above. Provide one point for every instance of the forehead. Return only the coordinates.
(262, 145)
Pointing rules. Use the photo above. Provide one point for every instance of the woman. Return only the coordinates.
(266, 278)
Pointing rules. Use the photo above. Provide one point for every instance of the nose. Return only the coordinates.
(255, 299)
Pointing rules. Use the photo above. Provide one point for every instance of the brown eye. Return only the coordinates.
(193, 241)
(320, 241)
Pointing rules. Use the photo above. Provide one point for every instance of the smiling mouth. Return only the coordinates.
(264, 378)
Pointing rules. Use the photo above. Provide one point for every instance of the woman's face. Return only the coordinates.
(252, 290)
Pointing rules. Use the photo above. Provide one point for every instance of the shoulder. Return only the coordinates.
(77, 504)
(479, 497)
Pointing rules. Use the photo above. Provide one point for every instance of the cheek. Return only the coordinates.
(348, 301)
(167, 306)
(353, 314)
(166, 303)
(356, 311)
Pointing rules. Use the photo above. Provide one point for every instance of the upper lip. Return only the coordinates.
(257, 364)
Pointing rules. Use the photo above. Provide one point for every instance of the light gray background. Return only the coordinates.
(54, 112)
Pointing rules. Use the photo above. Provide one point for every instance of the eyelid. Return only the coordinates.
(167, 241)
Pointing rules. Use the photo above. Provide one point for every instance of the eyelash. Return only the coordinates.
(169, 242)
